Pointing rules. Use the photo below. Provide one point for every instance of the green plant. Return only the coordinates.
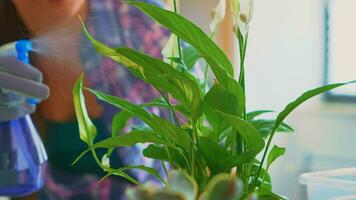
(217, 144)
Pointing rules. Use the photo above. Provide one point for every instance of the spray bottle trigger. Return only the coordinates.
(32, 101)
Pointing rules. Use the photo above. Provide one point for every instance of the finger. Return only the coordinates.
(11, 99)
(15, 67)
(8, 114)
(26, 87)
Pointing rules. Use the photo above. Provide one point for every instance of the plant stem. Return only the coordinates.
(172, 113)
(242, 47)
(195, 142)
(263, 158)
(206, 70)
(178, 39)
(164, 168)
(174, 119)
(240, 147)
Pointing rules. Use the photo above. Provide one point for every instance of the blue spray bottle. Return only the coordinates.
(23, 159)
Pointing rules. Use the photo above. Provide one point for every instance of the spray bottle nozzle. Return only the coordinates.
(23, 47)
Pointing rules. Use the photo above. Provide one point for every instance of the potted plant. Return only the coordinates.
(213, 151)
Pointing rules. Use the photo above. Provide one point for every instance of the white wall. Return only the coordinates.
(285, 51)
(285, 58)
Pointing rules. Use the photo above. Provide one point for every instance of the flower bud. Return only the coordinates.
(235, 13)
(170, 50)
(105, 161)
(218, 15)
(244, 15)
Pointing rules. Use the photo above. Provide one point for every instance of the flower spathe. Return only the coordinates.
(218, 15)
(245, 15)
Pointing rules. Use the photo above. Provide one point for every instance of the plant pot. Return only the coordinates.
(339, 184)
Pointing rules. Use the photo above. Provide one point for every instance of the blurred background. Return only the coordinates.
(291, 46)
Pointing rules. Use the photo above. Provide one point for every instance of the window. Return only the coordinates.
(340, 47)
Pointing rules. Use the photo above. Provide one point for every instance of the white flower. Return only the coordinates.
(235, 12)
(105, 161)
(218, 15)
(245, 14)
(170, 50)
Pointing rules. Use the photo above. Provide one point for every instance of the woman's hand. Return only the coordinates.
(20, 88)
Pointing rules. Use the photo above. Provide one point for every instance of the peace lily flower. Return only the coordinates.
(170, 50)
(235, 13)
(242, 15)
(218, 15)
(245, 15)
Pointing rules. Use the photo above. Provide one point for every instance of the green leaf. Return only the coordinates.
(219, 98)
(238, 159)
(124, 105)
(130, 139)
(159, 153)
(87, 130)
(157, 73)
(181, 183)
(187, 31)
(110, 52)
(304, 97)
(207, 132)
(265, 126)
(226, 80)
(229, 83)
(176, 134)
(266, 194)
(157, 102)
(125, 140)
(162, 75)
(263, 177)
(275, 152)
(120, 173)
(189, 95)
(162, 127)
(253, 141)
(161, 103)
(149, 170)
(119, 122)
(80, 157)
(141, 127)
(251, 115)
(190, 56)
(293, 105)
(283, 127)
(212, 153)
(224, 186)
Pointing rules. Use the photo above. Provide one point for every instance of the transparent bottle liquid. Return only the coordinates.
(23, 159)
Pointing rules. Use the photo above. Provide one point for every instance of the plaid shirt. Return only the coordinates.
(115, 24)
